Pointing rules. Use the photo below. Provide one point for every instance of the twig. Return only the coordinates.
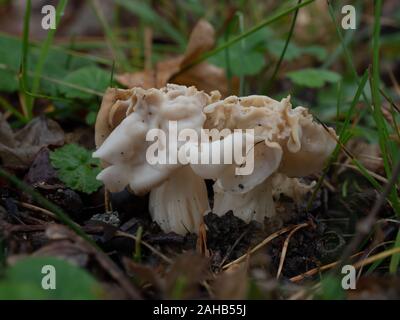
(373, 174)
(259, 246)
(233, 247)
(357, 265)
(148, 47)
(314, 271)
(107, 202)
(369, 253)
(285, 247)
(38, 209)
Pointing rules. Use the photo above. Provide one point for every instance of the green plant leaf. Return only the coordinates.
(91, 118)
(92, 78)
(275, 47)
(317, 51)
(245, 58)
(10, 56)
(24, 281)
(150, 16)
(76, 167)
(313, 78)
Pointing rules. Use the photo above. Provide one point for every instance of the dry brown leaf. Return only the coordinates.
(143, 273)
(368, 154)
(18, 150)
(66, 250)
(204, 76)
(60, 232)
(232, 284)
(186, 273)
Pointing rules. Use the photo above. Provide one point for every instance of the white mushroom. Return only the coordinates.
(295, 146)
(285, 144)
(178, 198)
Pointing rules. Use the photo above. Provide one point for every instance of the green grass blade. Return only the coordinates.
(111, 38)
(243, 35)
(344, 136)
(44, 52)
(24, 61)
(7, 106)
(289, 37)
(395, 260)
(146, 13)
(346, 52)
(387, 149)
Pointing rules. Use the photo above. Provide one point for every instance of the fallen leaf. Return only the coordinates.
(232, 284)
(143, 273)
(60, 232)
(18, 150)
(204, 76)
(368, 154)
(41, 172)
(66, 250)
(185, 275)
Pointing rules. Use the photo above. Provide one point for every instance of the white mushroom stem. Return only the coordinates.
(258, 203)
(178, 205)
(255, 204)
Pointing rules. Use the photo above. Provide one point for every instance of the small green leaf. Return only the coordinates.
(91, 118)
(92, 78)
(313, 78)
(76, 167)
(275, 47)
(317, 51)
(24, 281)
(247, 57)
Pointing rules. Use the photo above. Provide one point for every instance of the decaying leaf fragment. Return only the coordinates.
(18, 149)
(204, 76)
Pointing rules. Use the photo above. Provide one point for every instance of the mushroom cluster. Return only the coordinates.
(288, 145)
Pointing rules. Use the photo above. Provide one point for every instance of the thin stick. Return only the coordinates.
(370, 252)
(314, 271)
(38, 209)
(107, 202)
(285, 247)
(148, 47)
(151, 248)
(259, 246)
(373, 174)
(379, 256)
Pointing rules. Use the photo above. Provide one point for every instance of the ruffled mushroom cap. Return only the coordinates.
(125, 151)
(295, 146)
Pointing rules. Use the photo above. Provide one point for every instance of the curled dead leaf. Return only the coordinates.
(204, 76)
